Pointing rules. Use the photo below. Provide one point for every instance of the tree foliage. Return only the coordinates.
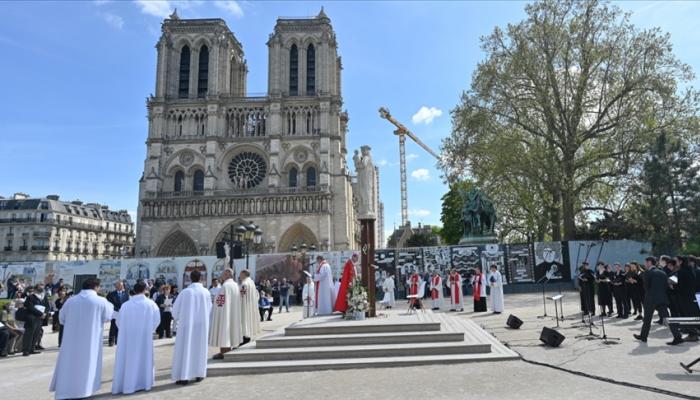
(560, 112)
(451, 214)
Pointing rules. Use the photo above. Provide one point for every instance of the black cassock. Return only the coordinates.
(620, 293)
(604, 292)
(586, 281)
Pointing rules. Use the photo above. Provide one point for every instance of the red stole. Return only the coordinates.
(341, 302)
(477, 287)
(436, 283)
(455, 289)
(413, 289)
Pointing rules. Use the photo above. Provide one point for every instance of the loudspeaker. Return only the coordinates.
(550, 337)
(237, 252)
(514, 322)
(220, 252)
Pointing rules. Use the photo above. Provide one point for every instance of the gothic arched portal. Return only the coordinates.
(295, 236)
(177, 244)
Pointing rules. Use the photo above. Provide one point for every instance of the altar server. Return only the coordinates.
(250, 325)
(308, 295)
(479, 288)
(225, 330)
(496, 284)
(324, 287)
(78, 371)
(388, 286)
(456, 297)
(133, 367)
(191, 311)
(436, 290)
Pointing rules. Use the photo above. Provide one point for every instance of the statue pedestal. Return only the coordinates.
(367, 257)
(478, 240)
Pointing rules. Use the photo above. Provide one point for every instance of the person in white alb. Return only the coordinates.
(325, 300)
(250, 326)
(78, 371)
(191, 311)
(308, 295)
(436, 290)
(134, 369)
(496, 284)
(225, 329)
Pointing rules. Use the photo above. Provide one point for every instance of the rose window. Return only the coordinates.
(247, 170)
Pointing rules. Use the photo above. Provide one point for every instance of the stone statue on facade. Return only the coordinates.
(366, 182)
(478, 216)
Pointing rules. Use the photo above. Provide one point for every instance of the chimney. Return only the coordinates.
(52, 197)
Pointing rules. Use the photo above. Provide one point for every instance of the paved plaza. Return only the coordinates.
(653, 365)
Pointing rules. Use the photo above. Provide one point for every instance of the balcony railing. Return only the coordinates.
(40, 248)
(65, 223)
(41, 234)
(23, 248)
(7, 248)
(240, 192)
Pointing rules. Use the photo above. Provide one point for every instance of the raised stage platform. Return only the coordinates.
(394, 339)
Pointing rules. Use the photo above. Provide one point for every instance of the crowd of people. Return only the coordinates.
(667, 285)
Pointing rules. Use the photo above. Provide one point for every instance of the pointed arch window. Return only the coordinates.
(179, 181)
(198, 181)
(310, 70)
(293, 177)
(293, 71)
(184, 84)
(203, 72)
(311, 177)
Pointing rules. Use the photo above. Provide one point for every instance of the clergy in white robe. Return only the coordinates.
(324, 287)
(388, 286)
(133, 365)
(191, 311)
(496, 284)
(308, 296)
(225, 330)
(436, 290)
(250, 324)
(78, 371)
(336, 288)
(456, 296)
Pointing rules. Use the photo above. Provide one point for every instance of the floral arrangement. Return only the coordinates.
(357, 298)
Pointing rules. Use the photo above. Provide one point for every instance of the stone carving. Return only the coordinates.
(478, 214)
(168, 150)
(301, 155)
(366, 180)
(203, 149)
(285, 146)
(186, 158)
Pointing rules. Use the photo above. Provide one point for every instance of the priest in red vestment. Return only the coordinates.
(349, 273)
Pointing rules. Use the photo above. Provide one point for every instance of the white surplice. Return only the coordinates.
(191, 311)
(436, 290)
(325, 300)
(388, 286)
(456, 295)
(250, 317)
(78, 371)
(225, 330)
(496, 298)
(308, 295)
(133, 365)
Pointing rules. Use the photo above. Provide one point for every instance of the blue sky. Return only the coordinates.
(76, 76)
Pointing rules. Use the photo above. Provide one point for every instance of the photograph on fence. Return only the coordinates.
(549, 262)
(520, 264)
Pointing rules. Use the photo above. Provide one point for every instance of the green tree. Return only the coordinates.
(560, 110)
(421, 239)
(451, 214)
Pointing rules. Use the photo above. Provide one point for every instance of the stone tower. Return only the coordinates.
(217, 158)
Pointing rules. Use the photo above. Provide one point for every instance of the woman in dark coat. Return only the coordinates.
(603, 278)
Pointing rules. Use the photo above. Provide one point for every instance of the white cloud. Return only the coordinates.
(426, 115)
(420, 212)
(383, 163)
(230, 6)
(420, 174)
(113, 20)
(411, 156)
(162, 8)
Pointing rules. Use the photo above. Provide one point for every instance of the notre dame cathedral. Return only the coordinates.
(217, 158)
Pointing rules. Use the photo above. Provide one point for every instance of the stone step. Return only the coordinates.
(277, 341)
(273, 367)
(336, 352)
(350, 327)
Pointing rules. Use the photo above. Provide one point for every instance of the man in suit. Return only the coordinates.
(117, 297)
(655, 298)
(32, 324)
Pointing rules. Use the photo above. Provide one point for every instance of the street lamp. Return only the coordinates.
(248, 235)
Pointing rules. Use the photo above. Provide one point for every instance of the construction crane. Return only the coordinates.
(401, 131)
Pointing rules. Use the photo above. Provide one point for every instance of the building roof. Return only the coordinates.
(52, 203)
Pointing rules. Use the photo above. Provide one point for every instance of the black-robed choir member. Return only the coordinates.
(656, 299)
(636, 288)
(586, 281)
(620, 292)
(604, 291)
(686, 294)
(165, 301)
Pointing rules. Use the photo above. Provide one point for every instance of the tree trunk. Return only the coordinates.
(568, 199)
(555, 216)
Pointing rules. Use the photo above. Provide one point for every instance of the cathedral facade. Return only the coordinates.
(217, 158)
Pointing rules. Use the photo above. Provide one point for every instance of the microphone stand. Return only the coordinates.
(543, 280)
